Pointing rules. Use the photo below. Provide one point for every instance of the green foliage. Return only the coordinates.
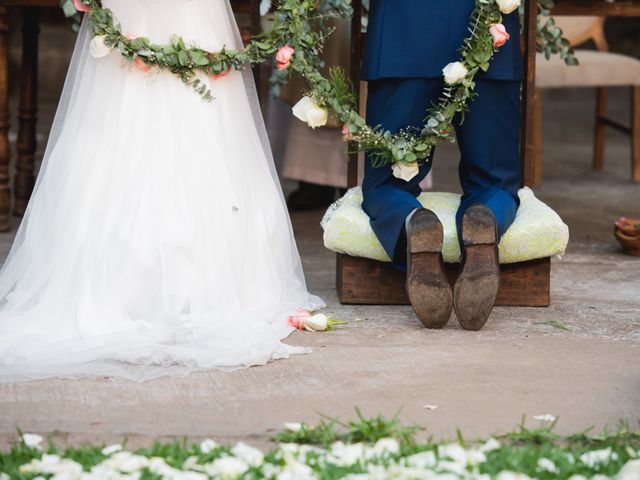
(302, 24)
(550, 40)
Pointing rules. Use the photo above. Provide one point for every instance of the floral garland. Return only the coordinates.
(296, 46)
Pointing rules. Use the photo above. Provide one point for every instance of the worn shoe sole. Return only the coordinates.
(476, 289)
(427, 285)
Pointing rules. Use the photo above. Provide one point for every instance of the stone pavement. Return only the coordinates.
(384, 362)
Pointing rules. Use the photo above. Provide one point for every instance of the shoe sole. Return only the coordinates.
(427, 285)
(476, 289)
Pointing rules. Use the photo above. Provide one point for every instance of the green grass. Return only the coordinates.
(333, 449)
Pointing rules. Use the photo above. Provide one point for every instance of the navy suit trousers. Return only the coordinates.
(489, 141)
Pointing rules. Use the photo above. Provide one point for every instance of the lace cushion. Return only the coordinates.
(537, 232)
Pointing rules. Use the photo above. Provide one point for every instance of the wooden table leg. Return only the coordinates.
(5, 150)
(528, 94)
(25, 178)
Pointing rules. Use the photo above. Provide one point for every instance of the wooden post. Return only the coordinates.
(635, 135)
(25, 178)
(5, 149)
(528, 93)
(354, 69)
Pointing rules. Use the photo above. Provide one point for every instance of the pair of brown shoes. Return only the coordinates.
(476, 288)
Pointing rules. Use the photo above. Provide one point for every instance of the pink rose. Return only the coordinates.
(81, 7)
(216, 76)
(283, 57)
(346, 134)
(499, 34)
(140, 65)
(297, 320)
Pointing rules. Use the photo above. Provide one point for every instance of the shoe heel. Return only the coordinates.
(479, 226)
(425, 232)
(428, 288)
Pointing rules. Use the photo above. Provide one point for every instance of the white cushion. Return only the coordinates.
(537, 232)
(596, 69)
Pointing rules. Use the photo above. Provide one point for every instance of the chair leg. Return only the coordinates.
(598, 145)
(635, 135)
(537, 137)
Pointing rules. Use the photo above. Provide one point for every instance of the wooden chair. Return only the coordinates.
(600, 69)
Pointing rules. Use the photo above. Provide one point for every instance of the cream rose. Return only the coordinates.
(454, 73)
(508, 6)
(98, 48)
(310, 112)
(405, 171)
(316, 323)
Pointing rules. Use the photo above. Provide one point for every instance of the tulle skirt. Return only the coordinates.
(157, 241)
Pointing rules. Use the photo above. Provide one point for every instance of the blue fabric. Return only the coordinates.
(489, 139)
(418, 38)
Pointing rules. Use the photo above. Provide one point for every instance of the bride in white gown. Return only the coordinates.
(157, 241)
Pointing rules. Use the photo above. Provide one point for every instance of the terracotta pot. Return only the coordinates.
(627, 231)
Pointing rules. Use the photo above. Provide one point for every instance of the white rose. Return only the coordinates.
(208, 445)
(98, 48)
(32, 440)
(405, 171)
(316, 323)
(547, 465)
(490, 445)
(386, 445)
(508, 475)
(265, 5)
(310, 112)
(111, 449)
(508, 6)
(293, 426)
(596, 457)
(248, 454)
(630, 471)
(226, 468)
(423, 459)
(454, 73)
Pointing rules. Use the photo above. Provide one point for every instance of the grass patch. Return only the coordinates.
(363, 448)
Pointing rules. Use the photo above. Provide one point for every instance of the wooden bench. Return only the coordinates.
(363, 281)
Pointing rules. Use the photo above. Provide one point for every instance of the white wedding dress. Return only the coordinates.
(157, 241)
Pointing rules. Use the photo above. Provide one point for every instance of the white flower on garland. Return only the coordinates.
(508, 6)
(454, 73)
(98, 48)
(405, 171)
(265, 6)
(310, 112)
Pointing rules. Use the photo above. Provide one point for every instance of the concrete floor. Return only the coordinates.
(384, 362)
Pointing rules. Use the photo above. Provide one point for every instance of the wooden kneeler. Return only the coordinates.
(361, 281)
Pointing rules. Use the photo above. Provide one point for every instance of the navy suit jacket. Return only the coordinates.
(418, 38)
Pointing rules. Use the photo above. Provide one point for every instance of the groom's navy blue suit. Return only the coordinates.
(409, 42)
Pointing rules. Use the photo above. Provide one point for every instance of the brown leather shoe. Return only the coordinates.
(476, 289)
(427, 285)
